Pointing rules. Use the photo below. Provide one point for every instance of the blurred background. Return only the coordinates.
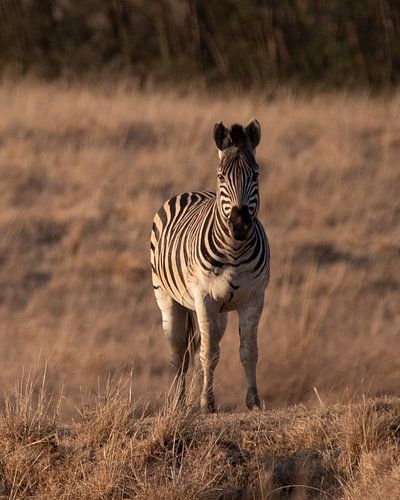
(107, 110)
(234, 42)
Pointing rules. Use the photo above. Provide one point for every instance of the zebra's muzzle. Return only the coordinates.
(240, 223)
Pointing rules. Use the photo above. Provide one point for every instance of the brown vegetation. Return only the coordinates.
(114, 451)
(83, 170)
(252, 43)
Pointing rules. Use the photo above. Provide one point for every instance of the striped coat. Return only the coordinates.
(210, 255)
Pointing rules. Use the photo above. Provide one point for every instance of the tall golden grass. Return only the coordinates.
(84, 169)
(82, 172)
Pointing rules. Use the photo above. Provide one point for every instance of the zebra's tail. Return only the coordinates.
(193, 336)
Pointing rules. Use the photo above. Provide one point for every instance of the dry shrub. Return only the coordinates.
(116, 451)
(28, 437)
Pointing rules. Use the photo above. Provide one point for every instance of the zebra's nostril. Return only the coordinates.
(240, 215)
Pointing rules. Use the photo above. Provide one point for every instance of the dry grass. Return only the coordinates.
(114, 451)
(83, 170)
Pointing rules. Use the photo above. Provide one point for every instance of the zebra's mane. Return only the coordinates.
(239, 155)
(238, 136)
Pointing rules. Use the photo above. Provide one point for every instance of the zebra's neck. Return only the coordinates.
(215, 245)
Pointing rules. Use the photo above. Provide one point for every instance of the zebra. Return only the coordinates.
(210, 255)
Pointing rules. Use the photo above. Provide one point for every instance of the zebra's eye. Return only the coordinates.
(255, 176)
(221, 177)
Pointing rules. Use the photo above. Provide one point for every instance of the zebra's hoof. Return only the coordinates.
(253, 401)
(207, 405)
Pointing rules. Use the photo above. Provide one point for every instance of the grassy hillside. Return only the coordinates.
(83, 171)
(114, 451)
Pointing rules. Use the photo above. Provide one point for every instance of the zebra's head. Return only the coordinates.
(237, 190)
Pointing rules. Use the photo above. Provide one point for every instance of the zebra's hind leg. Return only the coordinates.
(174, 322)
(249, 317)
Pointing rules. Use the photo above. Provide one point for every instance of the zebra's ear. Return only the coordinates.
(220, 133)
(253, 131)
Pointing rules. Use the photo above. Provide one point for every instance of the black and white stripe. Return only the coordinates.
(210, 255)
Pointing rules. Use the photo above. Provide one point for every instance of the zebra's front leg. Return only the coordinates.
(249, 317)
(212, 326)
